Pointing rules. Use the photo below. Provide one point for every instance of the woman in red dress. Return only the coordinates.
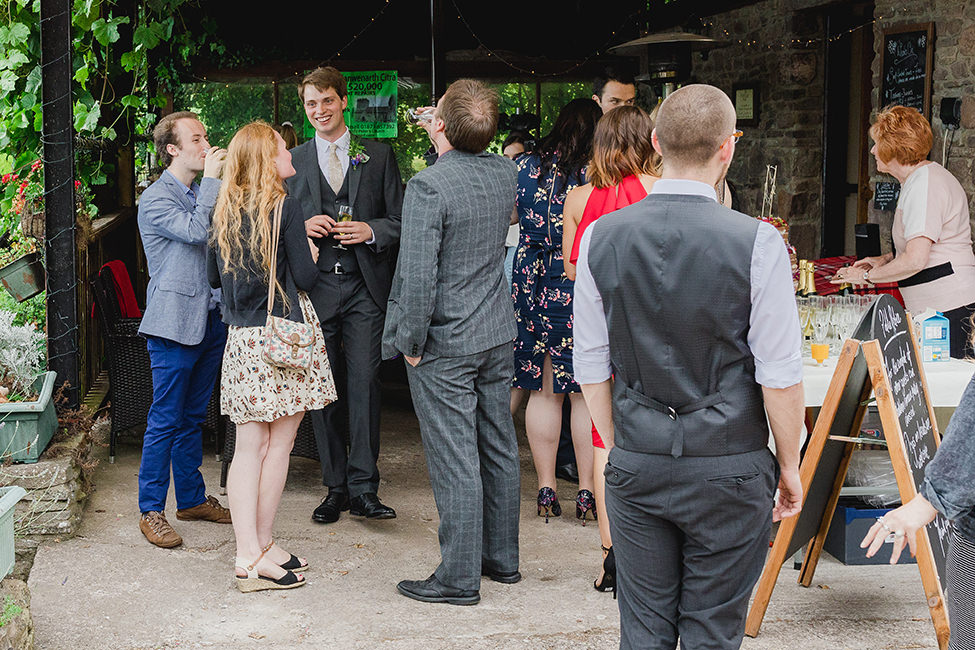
(623, 168)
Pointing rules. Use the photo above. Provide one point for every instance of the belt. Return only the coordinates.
(677, 447)
(927, 275)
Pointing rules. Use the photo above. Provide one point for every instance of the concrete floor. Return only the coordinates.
(109, 589)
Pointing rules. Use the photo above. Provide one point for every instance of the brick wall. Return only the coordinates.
(789, 76)
(953, 76)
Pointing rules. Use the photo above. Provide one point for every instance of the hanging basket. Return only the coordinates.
(32, 222)
(24, 277)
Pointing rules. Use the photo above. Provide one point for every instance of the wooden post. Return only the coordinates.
(438, 56)
(276, 98)
(59, 205)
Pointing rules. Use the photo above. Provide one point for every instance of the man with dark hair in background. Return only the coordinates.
(336, 169)
(614, 88)
(184, 333)
(450, 315)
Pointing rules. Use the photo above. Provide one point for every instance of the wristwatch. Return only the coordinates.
(866, 276)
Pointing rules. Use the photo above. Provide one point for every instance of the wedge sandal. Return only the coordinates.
(256, 582)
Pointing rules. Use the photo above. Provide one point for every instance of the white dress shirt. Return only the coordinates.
(324, 149)
(774, 336)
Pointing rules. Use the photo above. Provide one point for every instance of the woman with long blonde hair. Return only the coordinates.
(623, 168)
(264, 401)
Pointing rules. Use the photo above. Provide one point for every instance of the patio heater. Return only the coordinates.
(665, 58)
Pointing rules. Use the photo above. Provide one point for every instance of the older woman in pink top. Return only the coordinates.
(933, 265)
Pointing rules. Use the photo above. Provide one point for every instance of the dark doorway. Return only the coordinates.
(846, 145)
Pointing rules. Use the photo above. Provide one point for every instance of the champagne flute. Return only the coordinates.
(344, 214)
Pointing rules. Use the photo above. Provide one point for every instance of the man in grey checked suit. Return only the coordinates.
(686, 336)
(450, 316)
(184, 333)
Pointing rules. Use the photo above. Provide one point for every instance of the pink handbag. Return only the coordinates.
(287, 343)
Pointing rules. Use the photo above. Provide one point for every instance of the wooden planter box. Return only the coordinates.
(27, 427)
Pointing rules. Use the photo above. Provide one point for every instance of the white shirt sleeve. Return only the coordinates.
(590, 345)
(774, 335)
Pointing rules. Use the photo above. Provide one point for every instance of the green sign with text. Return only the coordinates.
(371, 111)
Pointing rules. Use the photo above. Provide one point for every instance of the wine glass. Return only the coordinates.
(344, 214)
(820, 352)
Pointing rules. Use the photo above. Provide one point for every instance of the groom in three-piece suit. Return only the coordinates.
(450, 316)
(355, 272)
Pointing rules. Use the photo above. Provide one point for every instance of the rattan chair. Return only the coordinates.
(129, 370)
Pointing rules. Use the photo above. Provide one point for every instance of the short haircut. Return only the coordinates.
(692, 124)
(618, 75)
(621, 147)
(165, 134)
(901, 134)
(469, 111)
(323, 79)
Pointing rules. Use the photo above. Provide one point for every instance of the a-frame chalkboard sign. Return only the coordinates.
(882, 358)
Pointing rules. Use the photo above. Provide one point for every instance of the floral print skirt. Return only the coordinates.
(251, 390)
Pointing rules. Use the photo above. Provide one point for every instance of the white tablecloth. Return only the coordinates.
(947, 380)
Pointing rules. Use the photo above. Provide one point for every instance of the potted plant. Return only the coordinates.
(27, 417)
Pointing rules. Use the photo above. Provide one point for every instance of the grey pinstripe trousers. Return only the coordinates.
(462, 404)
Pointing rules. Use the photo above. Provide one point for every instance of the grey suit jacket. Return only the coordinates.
(174, 236)
(376, 196)
(450, 296)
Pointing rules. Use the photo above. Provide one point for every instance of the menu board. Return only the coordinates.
(910, 402)
(908, 56)
(885, 195)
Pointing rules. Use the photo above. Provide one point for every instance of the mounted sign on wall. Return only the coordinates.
(908, 57)
(745, 98)
(371, 111)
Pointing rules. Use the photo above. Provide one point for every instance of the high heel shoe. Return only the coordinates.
(608, 583)
(585, 502)
(548, 504)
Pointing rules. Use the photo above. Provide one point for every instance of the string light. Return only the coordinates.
(628, 20)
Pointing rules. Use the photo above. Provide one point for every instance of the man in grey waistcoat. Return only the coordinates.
(450, 316)
(686, 337)
(335, 169)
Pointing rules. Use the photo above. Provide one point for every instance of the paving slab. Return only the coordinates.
(109, 589)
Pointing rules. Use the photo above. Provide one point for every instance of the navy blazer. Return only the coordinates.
(174, 236)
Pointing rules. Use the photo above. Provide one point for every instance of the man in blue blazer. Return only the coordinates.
(182, 325)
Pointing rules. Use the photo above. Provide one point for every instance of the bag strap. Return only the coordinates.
(275, 238)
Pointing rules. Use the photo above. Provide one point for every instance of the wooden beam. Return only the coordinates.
(59, 206)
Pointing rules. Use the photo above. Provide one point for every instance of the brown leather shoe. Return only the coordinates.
(158, 531)
(209, 510)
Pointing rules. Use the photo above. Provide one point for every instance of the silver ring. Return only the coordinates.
(883, 523)
(898, 534)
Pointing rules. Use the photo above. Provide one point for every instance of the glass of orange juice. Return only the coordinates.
(820, 352)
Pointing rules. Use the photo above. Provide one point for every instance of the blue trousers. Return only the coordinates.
(182, 382)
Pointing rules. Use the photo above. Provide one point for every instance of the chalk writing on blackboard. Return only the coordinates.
(885, 195)
(906, 75)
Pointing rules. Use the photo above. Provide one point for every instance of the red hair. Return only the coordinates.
(901, 134)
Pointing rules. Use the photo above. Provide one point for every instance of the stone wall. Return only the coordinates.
(953, 74)
(771, 48)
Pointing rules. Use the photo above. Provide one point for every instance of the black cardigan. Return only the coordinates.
(245, 290)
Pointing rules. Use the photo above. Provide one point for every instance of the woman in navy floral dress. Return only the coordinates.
(543, 301)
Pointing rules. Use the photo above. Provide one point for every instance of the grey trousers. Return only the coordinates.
(469, 440)
(690, 536)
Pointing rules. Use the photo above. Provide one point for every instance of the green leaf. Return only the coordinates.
(33, 80)
(131, 101)
(99, 179)
(18, 33)
(132, 60)
(146, 37)
(108, 133)
(106, 31)
(8, 81)
(81, 75)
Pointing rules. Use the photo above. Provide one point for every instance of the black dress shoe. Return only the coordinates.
(432, 590)
(567, 472)
(328, 510)
(368, 505)
(508, 578)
